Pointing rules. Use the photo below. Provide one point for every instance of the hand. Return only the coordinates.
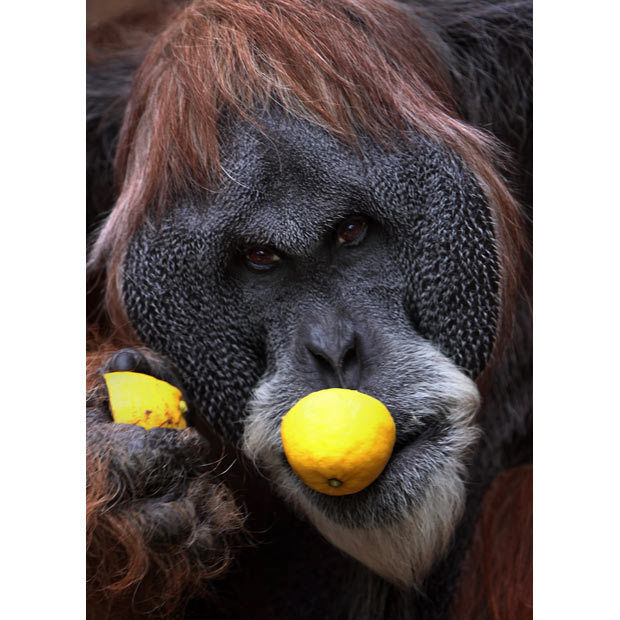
(159, 522)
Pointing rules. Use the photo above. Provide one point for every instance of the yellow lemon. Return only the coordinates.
(338, 441)
(144, 400)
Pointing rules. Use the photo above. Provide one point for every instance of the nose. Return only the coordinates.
(331, 349)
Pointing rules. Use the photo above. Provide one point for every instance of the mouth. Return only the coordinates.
(435, 429)
(401, 521)
(392, 494)
(412, 444)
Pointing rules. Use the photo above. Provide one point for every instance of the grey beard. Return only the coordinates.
(402, 523)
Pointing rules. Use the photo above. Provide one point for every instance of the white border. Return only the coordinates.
(576, 310)
(42, 254)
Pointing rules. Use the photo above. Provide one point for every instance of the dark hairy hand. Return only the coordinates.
(159, 521)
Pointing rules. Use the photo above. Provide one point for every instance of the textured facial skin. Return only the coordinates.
(410, 312)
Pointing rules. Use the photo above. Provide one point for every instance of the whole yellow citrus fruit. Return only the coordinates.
(144, 400)
(338, 441)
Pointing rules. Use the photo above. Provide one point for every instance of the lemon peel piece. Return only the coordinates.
(145, 401)
(338, 441)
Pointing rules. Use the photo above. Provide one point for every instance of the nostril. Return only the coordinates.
(326, 369)
(322, 362)
(349, 359)
(350, 368)
(330, 350)
(342, 371)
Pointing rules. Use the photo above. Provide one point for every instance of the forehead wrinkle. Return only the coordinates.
(295, 229)
(282, 149)
(287, 185)
(297, 223)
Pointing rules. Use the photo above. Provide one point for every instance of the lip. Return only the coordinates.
(405, 445)
(390, 494)
(429, 432)
(408, 448)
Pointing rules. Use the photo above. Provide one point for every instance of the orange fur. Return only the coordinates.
(363, 67)
(127, 574)
(496, 581)
(351, 67)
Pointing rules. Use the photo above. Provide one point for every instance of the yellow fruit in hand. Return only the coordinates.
(338, 441)
(144, 400)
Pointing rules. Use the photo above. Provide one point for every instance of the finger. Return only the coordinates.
(129, 360)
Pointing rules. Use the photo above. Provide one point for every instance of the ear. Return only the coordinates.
(488, 49)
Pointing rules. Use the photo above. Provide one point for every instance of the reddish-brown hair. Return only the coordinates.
(496, 581)
(127, 574)
(348, 66)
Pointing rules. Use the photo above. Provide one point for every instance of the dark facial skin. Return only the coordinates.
(327, 267)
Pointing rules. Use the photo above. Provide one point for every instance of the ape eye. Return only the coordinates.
(352, 231)
(261, 257)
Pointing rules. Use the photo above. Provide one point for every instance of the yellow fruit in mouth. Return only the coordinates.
(144, 401)
(338, 441)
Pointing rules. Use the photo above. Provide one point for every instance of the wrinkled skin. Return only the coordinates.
(406, 312)
(427, 264)
(408, 315)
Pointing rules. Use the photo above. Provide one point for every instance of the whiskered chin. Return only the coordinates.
(403, 550)
(402, 523)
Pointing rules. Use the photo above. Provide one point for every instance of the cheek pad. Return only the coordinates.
(181, 310)
(456, 282)
(443, 232)
(450, 260)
